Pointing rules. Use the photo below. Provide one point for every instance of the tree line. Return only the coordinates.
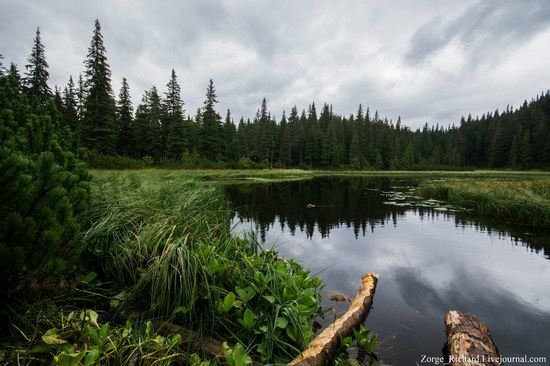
(107, 132)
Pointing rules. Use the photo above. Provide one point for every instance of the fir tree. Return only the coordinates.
(229, 138)
(98, 132)
(14, 77)
(124, 119)
(148, 126)
(37, 75)
(211, 135)
(70, 115)
(174, 133)
(285, 144)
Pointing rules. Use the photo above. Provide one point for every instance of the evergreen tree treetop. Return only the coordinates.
(98, 73)
(37, 75)
(173, 102)
(98, 124)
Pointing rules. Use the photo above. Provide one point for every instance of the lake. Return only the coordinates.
(430, 258)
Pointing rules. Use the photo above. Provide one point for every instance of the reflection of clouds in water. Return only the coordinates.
(430, 265)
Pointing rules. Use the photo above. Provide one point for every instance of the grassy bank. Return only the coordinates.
(159, 246)
(518, 201)
(283, 175)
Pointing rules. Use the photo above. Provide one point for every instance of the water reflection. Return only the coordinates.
(430, 262)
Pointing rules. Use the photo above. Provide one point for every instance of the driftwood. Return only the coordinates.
(469, 342)
(322, 349)
(205, 346)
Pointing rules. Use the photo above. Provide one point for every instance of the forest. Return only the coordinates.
(107, 132)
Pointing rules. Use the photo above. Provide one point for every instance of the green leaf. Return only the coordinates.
(281, 322)
(90, 316)
(149, 329)
(228, 302)
(239, 356)
(118, 298)
(249, 319)
(69, 359)
(246, 294)
(346, 341)
(93, 335)
(270, 298)
(104, 331)
(51, 337)
(91, 357)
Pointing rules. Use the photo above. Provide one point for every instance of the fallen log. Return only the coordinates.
(205, 346)
(469, 342)
(322, 349)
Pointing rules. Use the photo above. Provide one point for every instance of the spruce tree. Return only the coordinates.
(285, 144)
(98, 123)
(37, 75)
(229, 138)
(70, 111)
(147, 126)
(124, 119)
(211, 131)
(174, 132)
(14, 77)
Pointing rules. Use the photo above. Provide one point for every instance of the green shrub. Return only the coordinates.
(44, 192)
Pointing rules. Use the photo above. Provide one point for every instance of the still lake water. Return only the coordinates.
(430, 261)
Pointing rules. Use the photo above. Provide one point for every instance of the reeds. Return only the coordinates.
(522, 202)
(166, 241)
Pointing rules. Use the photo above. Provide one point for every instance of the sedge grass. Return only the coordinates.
(523, 202)
(165, 239)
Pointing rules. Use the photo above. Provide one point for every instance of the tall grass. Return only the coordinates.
(165, 241)
(524, 202)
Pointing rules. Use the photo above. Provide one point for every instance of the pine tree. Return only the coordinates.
(174, 132)
(124, 119)
(43, 194)
(98, 124)
(37, 75)
(211, 136)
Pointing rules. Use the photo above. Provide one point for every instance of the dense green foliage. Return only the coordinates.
(162, 248)
(518, 202)
(44, 188)
(167, 241)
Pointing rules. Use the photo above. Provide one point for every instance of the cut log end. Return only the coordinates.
(469, 342)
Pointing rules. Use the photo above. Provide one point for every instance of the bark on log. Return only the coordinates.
(205, 346)
(322, 349)
(469, 342)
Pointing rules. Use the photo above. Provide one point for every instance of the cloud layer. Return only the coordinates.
(426, 61)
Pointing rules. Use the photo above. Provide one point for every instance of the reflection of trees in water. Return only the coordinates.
(353, 203)
(339, 203)
(536, 240)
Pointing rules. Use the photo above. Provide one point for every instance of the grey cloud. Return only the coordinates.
(295, 52)
(489, 28)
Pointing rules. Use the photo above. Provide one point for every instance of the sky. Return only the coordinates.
(428, 61)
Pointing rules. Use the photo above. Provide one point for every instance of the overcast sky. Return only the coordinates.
(426, 60)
